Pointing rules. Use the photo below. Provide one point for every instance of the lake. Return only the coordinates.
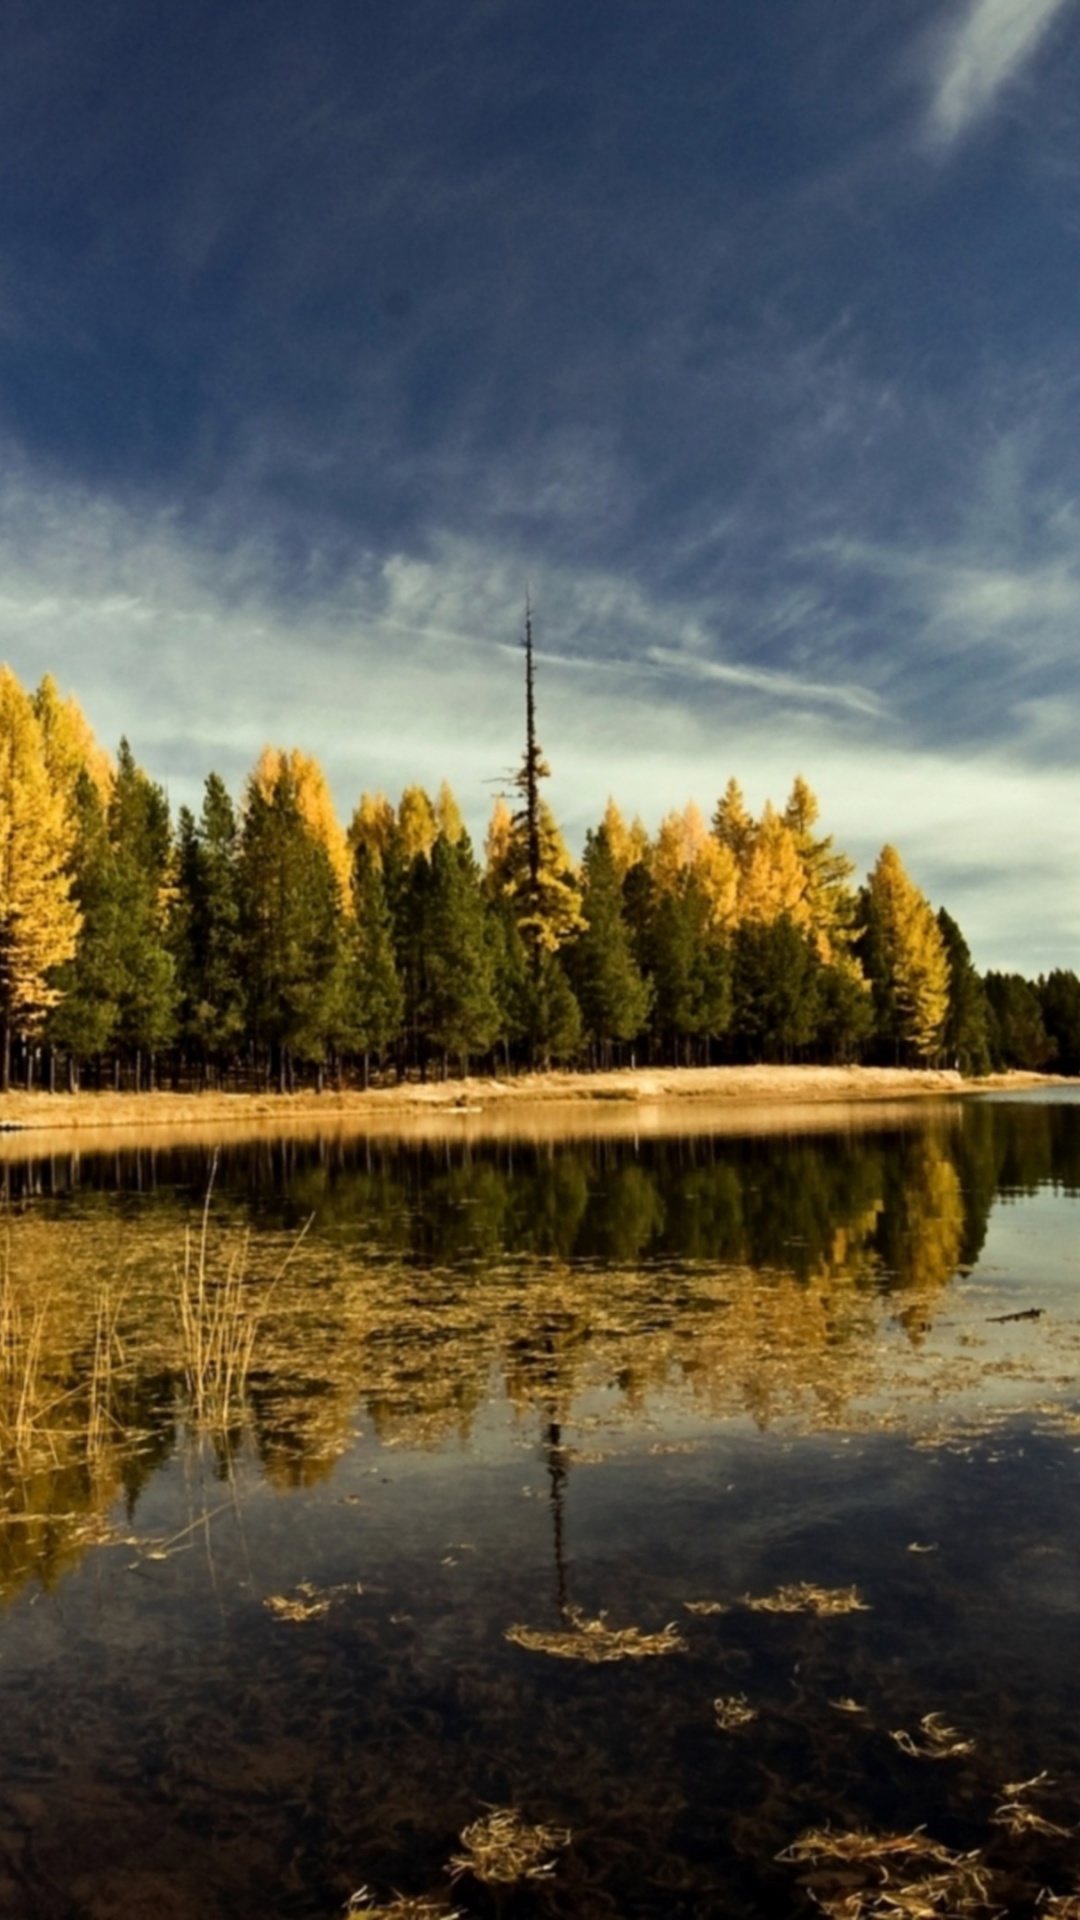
(671, 1524)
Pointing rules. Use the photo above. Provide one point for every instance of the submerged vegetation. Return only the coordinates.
(262, 945)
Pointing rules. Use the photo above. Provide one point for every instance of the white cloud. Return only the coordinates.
(409, 671)
(991, 44)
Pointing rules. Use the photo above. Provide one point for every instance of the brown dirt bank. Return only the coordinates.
(645, 1100)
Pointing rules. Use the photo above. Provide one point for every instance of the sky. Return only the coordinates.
(743, 339)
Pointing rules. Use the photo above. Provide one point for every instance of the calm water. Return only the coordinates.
(272, 1498)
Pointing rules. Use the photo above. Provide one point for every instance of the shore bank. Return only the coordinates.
(601, 1096)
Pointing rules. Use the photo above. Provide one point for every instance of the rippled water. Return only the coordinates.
(274, 1495)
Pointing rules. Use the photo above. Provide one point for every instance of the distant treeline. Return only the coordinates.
(263, 945)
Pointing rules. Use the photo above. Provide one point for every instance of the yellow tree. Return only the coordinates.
(68, 743)
(417, 825)
(772, 881)
(628, 845)
(39, 921)
(373, 826)
(827, 874)
(313, 800)
(905, 959)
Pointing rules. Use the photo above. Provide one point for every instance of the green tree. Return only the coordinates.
(207, 935)
(775, 988)
(376, 999)
(1059, 998)
(613, 997)
(1018, 1035)
(459, 1011)
(965, 1038)
(141, 878)
(291, 917)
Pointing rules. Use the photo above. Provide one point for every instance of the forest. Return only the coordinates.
(263, 945)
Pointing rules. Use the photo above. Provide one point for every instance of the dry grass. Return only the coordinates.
(219, 1317)
(501, 1848)
(802, 1596)
(1058, 1906)
(706, 1607)
(401, 1906)
(899, 1876)
(733, 1711)
(595, 1642)
(938, 1742)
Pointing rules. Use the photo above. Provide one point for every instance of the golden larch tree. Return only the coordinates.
(39, 921)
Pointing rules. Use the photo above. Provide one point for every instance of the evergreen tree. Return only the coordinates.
(965, 1039)
(459, 1012)
(1018, 1036)
(292, 925)
(688, 964)
(39, 920)
(207, 928)
(1059, 999)
(611, 992)
(376, 1001)
(776, 978)
(141, 877)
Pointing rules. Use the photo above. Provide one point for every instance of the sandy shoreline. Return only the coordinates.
(652, 1099)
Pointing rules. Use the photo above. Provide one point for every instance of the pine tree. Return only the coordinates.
(904, 958)
(292, 923)
(39, 920)
(459, 1012)
(207, 928)
(83, 1022)
(140, 838)
(376, 1001)
(1059, 1000)
(827, 892)
(965, 1039)
(611, 992)
(776, 981)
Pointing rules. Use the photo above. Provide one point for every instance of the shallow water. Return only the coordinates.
(262, 1539)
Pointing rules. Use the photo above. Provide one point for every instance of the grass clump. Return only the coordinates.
(595, 1642)
(733, 1711)
(939, 1741)
(501, 1848)
(875, 1876)
(401, 1906)
(802, 1596)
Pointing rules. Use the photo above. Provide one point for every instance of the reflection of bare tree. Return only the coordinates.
(740, 1284)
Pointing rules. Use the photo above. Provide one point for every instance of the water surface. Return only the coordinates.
(281, 1469)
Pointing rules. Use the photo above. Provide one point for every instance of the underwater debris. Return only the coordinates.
(307, 1602)
(501, 1847)
(595, 1641)
(733, 1711)
(847, 1705)
(1012, 1789)
(945, 1883)
(801, 1596)
(939, 1742)
(402, 1906)
(1017, 1818)
(1059, 1906)
(917, 1546)
(706, 1606)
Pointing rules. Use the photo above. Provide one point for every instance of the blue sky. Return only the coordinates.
(744, 337)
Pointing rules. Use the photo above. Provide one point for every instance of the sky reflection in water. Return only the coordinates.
(253, 1653)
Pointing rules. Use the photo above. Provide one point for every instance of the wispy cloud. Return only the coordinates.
(993, 41)
(785, 687)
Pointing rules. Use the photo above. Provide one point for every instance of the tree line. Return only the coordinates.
(261, 944)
